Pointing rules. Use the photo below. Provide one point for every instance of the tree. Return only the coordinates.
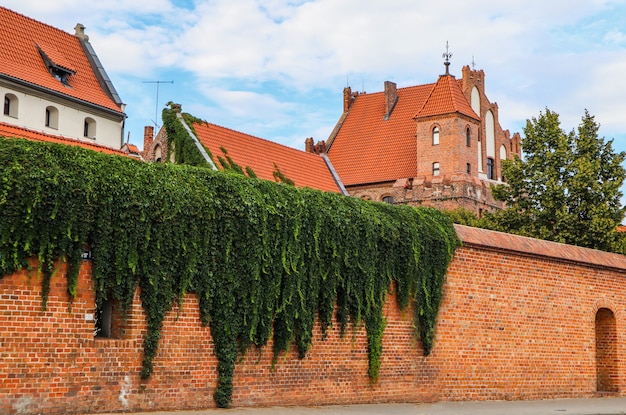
(567, 187)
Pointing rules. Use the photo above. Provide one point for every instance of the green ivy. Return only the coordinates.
(265, 259)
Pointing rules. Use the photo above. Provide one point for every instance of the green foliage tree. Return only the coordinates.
(465, 217)
(566, 189)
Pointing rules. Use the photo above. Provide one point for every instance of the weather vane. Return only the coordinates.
(447, 57)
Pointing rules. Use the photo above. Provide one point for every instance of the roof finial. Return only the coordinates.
(447, 57)
(473, 63)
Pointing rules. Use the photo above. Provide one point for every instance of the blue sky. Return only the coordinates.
(276, 69)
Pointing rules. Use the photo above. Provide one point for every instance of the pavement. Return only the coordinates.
(593, 406)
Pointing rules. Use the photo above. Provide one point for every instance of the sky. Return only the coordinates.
(276, 69)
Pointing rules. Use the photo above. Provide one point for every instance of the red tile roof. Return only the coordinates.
(446, 97)
(20, 38)
(8, 130)
(370, 149)
(305, 169)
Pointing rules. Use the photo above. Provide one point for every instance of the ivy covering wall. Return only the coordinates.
(265, 259)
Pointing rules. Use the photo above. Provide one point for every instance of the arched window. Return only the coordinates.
(52, 117)
(435, 135)
(491, 169)
(468, 137)
(388, 199)
(90, 128)
(490, 134)
(157, 154)
(436, 170)
(502, 157)
(10, 105)
(475, 98)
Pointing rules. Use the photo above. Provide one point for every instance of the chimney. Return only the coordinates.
(80, 32)
(391, 97)
(148, 134)
(347, 98)
(308, 145)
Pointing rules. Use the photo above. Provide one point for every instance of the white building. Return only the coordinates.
(53, 82)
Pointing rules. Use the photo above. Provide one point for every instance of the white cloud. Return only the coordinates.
(254, 64)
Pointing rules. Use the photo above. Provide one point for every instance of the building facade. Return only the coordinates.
(52, 82)
(438, 144)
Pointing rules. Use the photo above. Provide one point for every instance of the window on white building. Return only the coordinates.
(52, 118)
(90, 128)
(10, 105)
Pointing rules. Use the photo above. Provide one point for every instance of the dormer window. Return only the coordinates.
(57, 64)
(60, 75)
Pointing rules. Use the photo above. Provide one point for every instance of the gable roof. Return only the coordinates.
(8, 130)
(305, 169)
(23, 44)
(372, 148)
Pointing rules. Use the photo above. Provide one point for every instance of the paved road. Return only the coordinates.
(598, 406)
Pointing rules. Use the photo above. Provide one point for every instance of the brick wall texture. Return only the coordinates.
(520, 319)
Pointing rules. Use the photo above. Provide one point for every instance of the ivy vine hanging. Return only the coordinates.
(266, 259)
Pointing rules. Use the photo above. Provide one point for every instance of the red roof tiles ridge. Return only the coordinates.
(501, 241)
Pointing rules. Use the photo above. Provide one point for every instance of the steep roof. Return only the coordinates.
(23, 44)
(446, 97)
(305, 169)
(8, 130)
(372, 148)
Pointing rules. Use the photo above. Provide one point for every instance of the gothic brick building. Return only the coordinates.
(438, 144)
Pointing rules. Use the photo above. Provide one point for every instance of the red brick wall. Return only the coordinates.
(518, 321)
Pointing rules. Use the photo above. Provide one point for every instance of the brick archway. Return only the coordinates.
(606, 351)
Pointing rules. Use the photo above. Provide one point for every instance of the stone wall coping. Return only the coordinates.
(537, 247)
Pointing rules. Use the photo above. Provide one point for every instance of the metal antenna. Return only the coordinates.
(156, 109)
